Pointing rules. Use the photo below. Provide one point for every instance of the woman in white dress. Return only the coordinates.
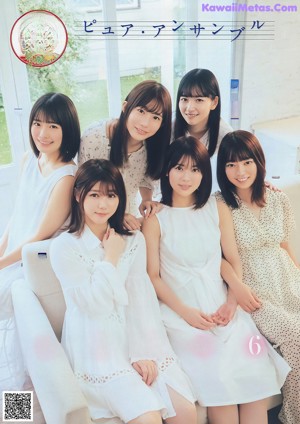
(136, 143)
(198, 112)
(113, 333)
(218, 344)
(42, 206)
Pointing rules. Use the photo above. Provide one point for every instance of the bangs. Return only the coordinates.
(194, 90)
(189, 153)
(150, 100)
(47, 114)
(155, 106)
(188, 159)
(239, 154)
(106, 188)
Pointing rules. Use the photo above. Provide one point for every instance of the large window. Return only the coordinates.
(5, 147)
(97, 71)
(143, 44)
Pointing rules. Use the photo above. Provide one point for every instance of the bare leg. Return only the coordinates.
(223, 414)
(283, 329)
(152, 417)
(254, 412)
(185, 410)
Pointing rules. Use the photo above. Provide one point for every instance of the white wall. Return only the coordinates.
(271, 72)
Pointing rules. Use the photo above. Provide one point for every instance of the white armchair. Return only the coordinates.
(39, 310)
(40, 330)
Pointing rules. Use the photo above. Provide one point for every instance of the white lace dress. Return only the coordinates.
(31, 202)
(96, 145)
(227, 365)
(113, 319)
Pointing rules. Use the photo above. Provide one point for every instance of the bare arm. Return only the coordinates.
(193, 316)
(231, 267)
(147, 208)
(286, 246)
(57, 211)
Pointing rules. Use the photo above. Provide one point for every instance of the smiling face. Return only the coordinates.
(99, 205)
(185, 177)
(142, 124)
(47, 136)
(196, 110)
(241, 174)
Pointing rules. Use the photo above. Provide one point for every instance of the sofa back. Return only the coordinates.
(43, 282)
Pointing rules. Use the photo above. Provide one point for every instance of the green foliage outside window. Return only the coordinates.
(59, 75)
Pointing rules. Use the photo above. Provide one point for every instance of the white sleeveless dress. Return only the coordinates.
(30, 204)
(227, 365)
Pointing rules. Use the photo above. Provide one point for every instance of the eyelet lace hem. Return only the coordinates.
(164, 365)
(102, 379)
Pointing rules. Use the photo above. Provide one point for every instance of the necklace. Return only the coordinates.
(134, 149)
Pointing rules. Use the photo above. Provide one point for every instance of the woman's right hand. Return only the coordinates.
(131, 223)
(113, 245)
(147, 369)
(197, 319)
(246, 298)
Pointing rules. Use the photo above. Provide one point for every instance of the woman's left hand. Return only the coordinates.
(271, 186)
(149, 207)
(225, 313)
(147, 369)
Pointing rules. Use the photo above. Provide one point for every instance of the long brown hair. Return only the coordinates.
(142, 95)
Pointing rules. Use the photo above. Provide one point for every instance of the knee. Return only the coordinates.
(153, 417)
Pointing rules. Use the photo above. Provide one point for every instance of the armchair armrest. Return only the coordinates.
(43, 282)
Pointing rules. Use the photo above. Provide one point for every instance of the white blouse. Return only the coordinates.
(105, 302)
(112, 320)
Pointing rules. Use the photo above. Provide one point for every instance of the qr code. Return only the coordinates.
(17, 406)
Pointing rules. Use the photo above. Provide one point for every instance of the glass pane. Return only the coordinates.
(5, 148)
(143, 53)
(96, 5)
(81, 72)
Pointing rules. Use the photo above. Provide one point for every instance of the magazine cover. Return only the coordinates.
(107, 58)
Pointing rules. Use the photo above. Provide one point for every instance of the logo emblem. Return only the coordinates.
(39, 38)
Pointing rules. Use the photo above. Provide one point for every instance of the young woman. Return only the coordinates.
(42, 204)
(263, 221)
(136, 143)
(198, 112)
(219, 346)
(113, 333)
